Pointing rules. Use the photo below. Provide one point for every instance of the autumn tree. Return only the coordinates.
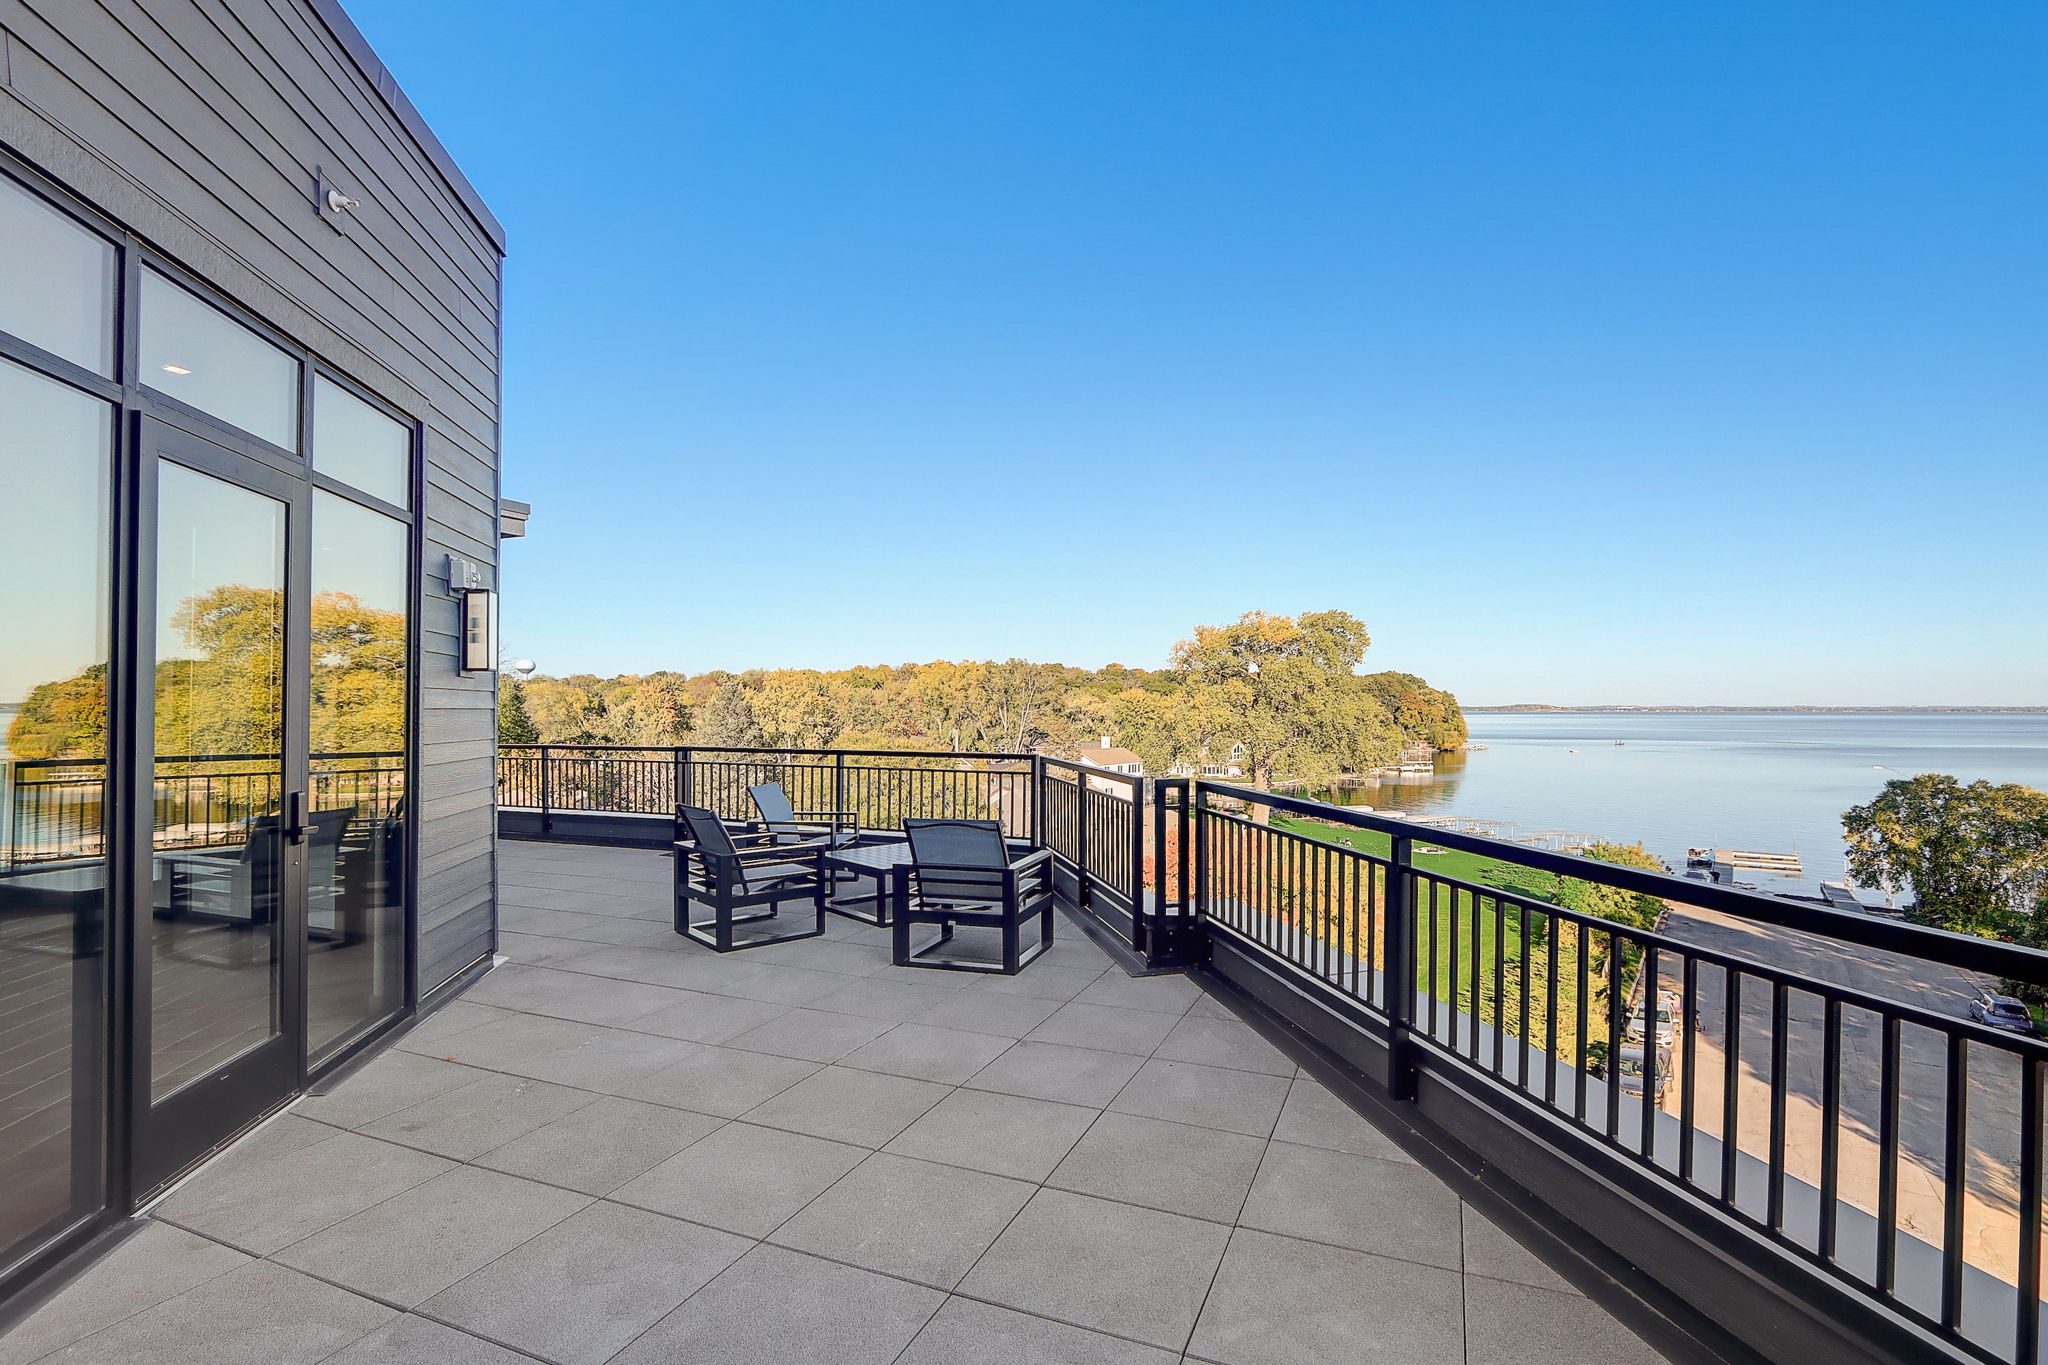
(727, 720)
(359, 668)
(566, 712)
(219, 692)
(1283, 690)
(66, 718)
(651, 711)
(1975, 855)
(1425, 715)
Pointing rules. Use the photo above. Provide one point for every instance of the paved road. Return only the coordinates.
(1993, 1119)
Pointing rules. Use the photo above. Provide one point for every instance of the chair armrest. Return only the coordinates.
(779, 853)
(1031, 860)
(814, 813)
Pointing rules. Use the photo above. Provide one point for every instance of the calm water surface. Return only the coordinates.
(1776, 782)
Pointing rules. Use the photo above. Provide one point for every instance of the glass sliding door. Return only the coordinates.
(205, 721)
(355, 854)
(228, 820)
(55, 467)
(219, 837)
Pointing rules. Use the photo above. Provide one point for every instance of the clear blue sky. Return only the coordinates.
(1679, 352)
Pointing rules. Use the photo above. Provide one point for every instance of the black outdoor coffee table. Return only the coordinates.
(888, 864)
(879, 861)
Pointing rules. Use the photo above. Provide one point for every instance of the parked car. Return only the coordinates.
(2003, 1012)
(1665, 1027)
(1667, 1021)
(1632, 1057)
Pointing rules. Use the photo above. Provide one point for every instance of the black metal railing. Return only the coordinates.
(1824, 1113)
(1089, 817)
(55, 808)
(1855, 1123)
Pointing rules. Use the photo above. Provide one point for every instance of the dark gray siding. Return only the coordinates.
(202, 124)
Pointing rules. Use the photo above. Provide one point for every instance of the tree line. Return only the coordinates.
(1282, 694)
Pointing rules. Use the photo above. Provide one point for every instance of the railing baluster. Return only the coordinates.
(1401, 943)
(1955, 1176)
(1689, 1021)
(1888, 1158)
(1831, 1126)
(1615, 1033)
(2027, 1331)
(1653, 1076)
(1774, 1205)
(1731, 1080)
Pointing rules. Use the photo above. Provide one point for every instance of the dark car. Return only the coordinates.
(2002, 1011)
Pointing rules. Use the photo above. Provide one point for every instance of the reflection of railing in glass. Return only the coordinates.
(55, 805)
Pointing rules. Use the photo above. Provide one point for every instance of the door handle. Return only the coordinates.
(295, 828)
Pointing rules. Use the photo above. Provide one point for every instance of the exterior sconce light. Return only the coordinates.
(479, 630)
(478, 651)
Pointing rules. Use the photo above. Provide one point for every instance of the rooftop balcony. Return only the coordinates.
(1284, 1091)
(618, 1146)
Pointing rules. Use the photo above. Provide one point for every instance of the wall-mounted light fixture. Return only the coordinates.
(478, 652)
(479, 630)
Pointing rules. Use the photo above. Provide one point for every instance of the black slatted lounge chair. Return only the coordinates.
(838, 828)
(744, 880)
(963, 875)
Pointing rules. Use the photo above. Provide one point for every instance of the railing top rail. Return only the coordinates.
(701, 749)
(1681, 949)
(205, 758)
(1912, 940)
(1131, 780)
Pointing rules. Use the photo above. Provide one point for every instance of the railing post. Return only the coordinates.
(839, 783)
(686, 760)
(547, 819)
(1141, 913)
(1083, 878)
(1038, 800)
(1400, 977)
(8, 832)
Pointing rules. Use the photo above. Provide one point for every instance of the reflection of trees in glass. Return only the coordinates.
(66, 718)
(358, 676)
(221, 696)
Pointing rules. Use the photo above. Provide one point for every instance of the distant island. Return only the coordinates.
(1754, 710)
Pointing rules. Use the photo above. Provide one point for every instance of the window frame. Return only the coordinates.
(129, 401)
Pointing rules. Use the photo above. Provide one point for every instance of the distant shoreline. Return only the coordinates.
(1546, 708)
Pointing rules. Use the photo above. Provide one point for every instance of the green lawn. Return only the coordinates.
(1511, 878)
(1470, 867)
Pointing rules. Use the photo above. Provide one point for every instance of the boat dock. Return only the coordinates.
(1784, 864)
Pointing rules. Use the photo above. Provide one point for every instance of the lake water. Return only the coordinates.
(1776, 782)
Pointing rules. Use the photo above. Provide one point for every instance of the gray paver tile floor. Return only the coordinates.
(619, 1146)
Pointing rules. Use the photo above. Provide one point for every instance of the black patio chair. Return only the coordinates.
(962, 874)
(838, 828)
(736, 876)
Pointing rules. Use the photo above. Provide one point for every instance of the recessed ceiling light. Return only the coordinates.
(176, 369)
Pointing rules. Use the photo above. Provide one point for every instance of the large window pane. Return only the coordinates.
(56, 281)
(359, 445)
(355, 876)
(55, 458)
(199, 355)
(219, 774)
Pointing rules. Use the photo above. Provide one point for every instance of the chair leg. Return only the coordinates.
(1010, 936)
(899, 940)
